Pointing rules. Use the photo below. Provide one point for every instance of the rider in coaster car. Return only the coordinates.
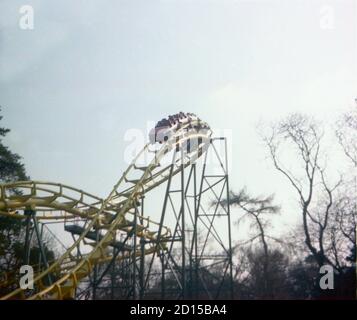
(171, 120)
(162, 123)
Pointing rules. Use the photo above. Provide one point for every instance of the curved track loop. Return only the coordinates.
(110, 217)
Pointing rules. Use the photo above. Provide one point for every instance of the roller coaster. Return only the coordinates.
(118, 250)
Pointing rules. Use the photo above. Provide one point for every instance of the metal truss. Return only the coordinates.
(118, 250)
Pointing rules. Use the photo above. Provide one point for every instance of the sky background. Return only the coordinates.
(90, 71)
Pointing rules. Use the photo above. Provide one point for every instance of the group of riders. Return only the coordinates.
(165, 127)
(175, 119)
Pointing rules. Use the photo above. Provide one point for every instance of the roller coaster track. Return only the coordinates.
(108, 218)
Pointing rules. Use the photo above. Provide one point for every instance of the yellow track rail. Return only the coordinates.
(110, 215)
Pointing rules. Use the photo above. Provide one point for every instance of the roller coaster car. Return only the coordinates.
(165, 128)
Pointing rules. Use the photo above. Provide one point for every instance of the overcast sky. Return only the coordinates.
(91, 70)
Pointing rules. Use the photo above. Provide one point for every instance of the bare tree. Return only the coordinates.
(307, 175)
(258, 210)
(343, 232)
